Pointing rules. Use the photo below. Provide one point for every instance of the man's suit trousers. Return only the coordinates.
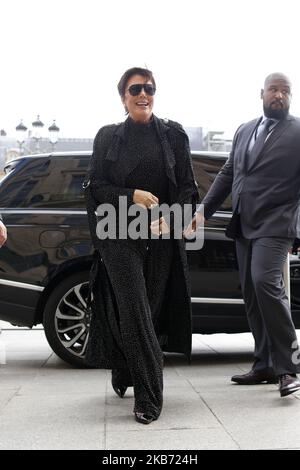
(261, 263)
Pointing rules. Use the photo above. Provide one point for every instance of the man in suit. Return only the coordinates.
(3, 234)
(263, 175)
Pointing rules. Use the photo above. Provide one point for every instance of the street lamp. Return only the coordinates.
(37, 132)
(53, 134)
(36, 135)
(21, 135)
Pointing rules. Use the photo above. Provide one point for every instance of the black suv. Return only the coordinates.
(44, 265)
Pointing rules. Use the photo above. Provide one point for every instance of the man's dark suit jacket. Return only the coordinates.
(266, 191)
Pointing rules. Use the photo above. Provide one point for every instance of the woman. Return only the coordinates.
(141, 300)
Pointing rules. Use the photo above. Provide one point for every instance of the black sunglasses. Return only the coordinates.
(136, 89)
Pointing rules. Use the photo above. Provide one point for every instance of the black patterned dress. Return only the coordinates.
(135, 280)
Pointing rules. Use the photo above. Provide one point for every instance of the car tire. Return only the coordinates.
(66, 321)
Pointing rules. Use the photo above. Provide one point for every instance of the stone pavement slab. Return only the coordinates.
(47, 404)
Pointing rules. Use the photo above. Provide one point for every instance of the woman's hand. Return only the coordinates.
(159, 227)
(3, 233)
(144, 199)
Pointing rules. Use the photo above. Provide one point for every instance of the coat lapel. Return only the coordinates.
(113, 151)
(169, 157)
(278, 130)
(114, 154)
(252, 126)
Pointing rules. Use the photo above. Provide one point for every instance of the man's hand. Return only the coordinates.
(144, 199)
(198, 219)
(159, 227)
(3, 234)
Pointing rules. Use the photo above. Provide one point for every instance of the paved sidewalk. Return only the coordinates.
(46, 404)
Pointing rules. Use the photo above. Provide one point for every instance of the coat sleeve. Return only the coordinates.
(222, 186)
(102, 189)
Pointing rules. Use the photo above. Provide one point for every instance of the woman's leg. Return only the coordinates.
(143, 354)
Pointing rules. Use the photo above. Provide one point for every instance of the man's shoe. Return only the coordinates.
(255, 377)
(288, 383)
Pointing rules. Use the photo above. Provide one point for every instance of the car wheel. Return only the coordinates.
(66, 320)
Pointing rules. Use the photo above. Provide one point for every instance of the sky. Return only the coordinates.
(62, 59)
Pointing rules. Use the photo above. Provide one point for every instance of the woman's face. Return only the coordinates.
(139, 106)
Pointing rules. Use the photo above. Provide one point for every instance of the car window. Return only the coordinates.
(62, 187)
(54, 182)
(20, 179)
(206, 168)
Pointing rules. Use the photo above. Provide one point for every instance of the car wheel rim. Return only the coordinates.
(72, 320)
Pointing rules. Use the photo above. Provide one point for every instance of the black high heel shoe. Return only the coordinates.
(116, 380)
(120, 381)
(120, 391)
(143, 418)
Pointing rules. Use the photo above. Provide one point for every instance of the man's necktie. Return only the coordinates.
(260, 140)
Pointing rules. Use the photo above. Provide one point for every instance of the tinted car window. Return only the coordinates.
(206, 169)
(48, 183)
(21, 177)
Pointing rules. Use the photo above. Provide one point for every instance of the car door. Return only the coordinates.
(43, 207)
(215, 286)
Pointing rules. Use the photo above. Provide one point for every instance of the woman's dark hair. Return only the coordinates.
(129, 73)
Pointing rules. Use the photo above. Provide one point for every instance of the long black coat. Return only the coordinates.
(106, 183)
